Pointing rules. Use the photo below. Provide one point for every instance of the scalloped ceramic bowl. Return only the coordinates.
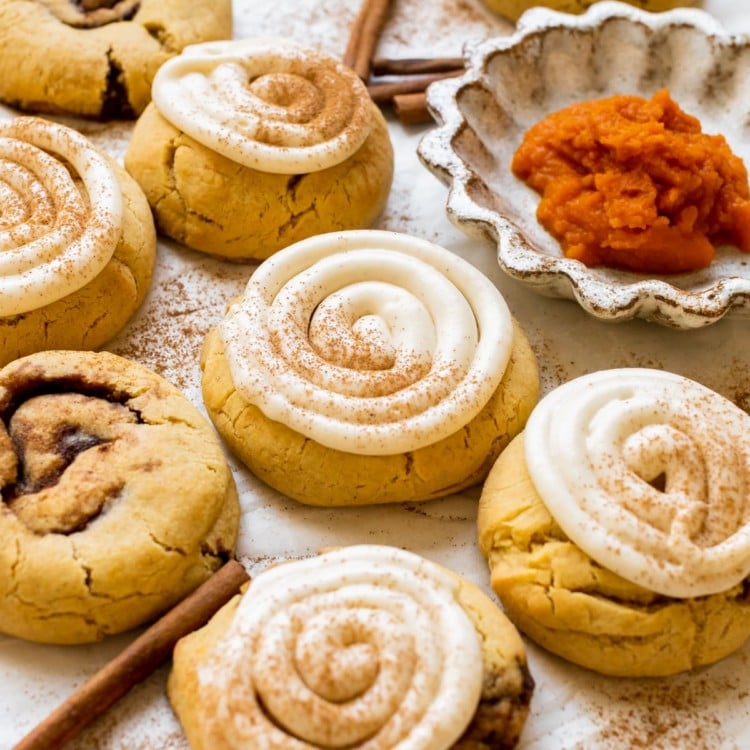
(552, 60)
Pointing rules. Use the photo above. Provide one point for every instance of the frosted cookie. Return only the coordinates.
(368, 367)
(617, 527)
(117, 499)
(254, 144)
(364, 646)
(77, 241)
(97, 58)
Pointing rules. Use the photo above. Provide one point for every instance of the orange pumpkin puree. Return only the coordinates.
(632, 183)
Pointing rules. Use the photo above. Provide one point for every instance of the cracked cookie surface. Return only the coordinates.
(97, 58)
(252, 145)
(117, 499)
(318, 475)
(506, 684)
(576, 608)
(210, 203)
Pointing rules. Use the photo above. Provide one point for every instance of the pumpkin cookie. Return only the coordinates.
(617, 527)
(364, 645)
(97, 58)
(78, 241)
(254, 144)
(117, 499)
(368, 367)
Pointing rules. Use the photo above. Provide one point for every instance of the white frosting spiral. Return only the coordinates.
(269, 104)
(61, 213)
(362, 647)
(649, 474)
(368, 342)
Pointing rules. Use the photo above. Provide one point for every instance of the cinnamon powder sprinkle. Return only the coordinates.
(664, 714)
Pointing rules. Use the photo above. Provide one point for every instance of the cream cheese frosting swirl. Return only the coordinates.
(269, 104)
(649, 474)
(368, 342)
(361, 647)
(61, 213)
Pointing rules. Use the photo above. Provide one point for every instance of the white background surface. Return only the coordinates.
(571, 708)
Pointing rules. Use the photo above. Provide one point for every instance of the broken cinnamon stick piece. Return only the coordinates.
(383, 66)
(382, 93)
(364, 36)
(136, 662)
(411, 109)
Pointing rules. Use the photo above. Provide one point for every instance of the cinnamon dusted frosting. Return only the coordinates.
(269, 104)
(61, 213)
(368, 342)
(364, 646)
(649, 474)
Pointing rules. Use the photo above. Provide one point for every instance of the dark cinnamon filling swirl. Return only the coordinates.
(89, 14)
(54, 438)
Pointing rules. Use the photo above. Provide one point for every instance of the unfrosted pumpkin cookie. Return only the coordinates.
(617, 527)
(117, 499)
(77, 241)
(364, 646)
(97, 58)
(251, 145)
(368, 367)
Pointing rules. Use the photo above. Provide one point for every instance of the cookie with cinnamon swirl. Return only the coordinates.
(77, 241)
(97, 58)
(368, 367)
(251, 145)
(617, 527)
(364, 646)
(117, 500)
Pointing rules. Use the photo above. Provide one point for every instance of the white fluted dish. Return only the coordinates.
(552, 60)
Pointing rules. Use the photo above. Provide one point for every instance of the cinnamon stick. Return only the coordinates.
(136, 662)
(383, 66)
(384, 92)
(364, 36)
(411, 109)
